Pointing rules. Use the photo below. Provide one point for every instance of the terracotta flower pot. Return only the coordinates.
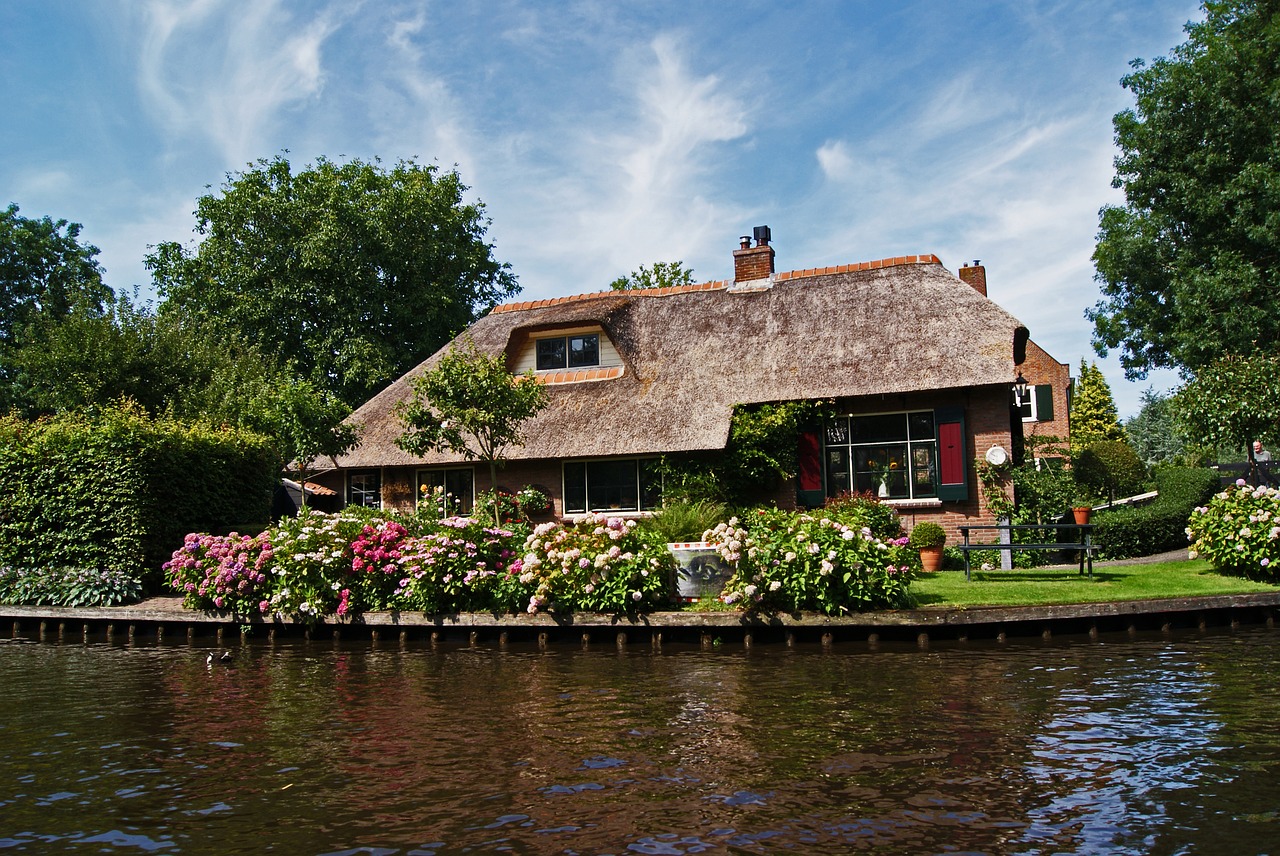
(931, 558)
(1081, 514)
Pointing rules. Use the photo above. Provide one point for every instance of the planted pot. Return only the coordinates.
(931, 558)
(1081, 513)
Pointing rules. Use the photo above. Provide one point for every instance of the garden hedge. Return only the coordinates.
(1161, 526)
(115, 489)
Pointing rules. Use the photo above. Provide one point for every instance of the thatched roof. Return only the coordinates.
(691, 353)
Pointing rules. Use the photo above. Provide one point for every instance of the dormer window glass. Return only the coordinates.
(578, 350)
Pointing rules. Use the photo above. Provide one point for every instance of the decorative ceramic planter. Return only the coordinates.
(701, 573)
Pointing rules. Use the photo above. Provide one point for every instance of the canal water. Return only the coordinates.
(1156, 745)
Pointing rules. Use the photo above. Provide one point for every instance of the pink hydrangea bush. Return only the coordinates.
(596, 563)
(785, 561)
(375, 567)
(462, 566)
(224, 572)
(312, 575)
(1238, 532)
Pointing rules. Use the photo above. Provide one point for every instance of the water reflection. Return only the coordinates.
(1150, 746)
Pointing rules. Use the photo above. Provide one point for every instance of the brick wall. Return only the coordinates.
(1041, 368)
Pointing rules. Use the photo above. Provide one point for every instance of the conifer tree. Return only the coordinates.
(1093, 410)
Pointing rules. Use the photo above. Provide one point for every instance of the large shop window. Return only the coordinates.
(456, 488)
(618, 485)
(891, 455)
(576, 351)
(365, 488)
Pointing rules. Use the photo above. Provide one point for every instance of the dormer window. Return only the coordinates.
(578, 350)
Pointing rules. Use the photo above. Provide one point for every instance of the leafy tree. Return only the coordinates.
(1232, 402)
(168, 366)
(1109, 468)
(1152, 432)
(306, 422)
(472, 405)
(45, 275)
(1093, 410)
(661, 275)
(351, 272)
(1188, 265)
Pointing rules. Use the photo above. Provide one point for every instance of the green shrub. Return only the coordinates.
(865, 509)
(68, 587)
(115, 490)
(1160, 526)
(684, 521)
(1110, 468)
(927, 534)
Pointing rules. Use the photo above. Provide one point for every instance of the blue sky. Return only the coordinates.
(606, 135)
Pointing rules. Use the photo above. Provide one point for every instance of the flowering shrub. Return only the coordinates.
(68, 587)
(598, 563)
(375, 566)
(864, 509)
(1238, 532)
(314, 562)
(463, 566)
(222, 571)
(785, 561)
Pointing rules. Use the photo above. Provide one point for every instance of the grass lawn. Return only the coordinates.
(1039, 586)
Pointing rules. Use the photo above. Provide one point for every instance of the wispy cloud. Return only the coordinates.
(638, 178)
(226, 71)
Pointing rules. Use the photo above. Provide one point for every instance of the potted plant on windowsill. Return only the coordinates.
(928, 538)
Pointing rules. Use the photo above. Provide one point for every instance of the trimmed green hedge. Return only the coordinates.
(116, 489)
(1144, 530)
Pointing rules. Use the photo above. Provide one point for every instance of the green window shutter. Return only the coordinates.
(953, 457)
(1044, 402)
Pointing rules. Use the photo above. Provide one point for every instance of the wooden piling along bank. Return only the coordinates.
(163, 620)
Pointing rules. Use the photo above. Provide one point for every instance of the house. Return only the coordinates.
(919, 365)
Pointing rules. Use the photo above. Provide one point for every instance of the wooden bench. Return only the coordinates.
(1083, 543)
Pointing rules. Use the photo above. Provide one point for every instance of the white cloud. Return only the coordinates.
(226, 71)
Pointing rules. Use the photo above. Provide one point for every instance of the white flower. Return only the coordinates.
(750, 591)
(775, 585)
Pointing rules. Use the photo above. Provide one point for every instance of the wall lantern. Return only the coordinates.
(1020, 389)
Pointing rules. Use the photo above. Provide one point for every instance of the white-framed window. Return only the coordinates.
(452, 491)
(1037, 404)
(890, 455)
(576, 350)
(364, 487)
(626, 484)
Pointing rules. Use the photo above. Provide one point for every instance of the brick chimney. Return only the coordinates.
(976, 275)
(753, 263)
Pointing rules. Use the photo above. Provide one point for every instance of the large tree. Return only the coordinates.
(1190, 264)
(46, 274)
(1232, 402)
(351, 272)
